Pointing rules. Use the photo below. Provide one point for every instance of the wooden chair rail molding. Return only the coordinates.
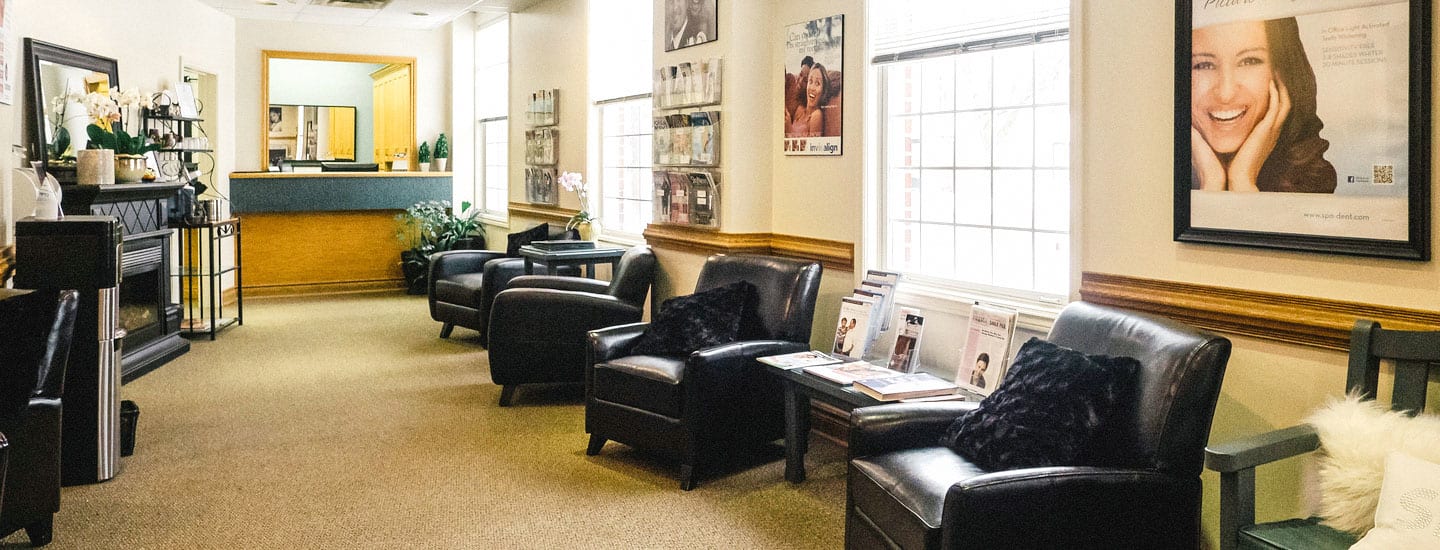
(548, 214)
(1286, 318)
(832, 254)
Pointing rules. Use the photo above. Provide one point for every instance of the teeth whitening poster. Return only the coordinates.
(814, 58)
(1299, 117)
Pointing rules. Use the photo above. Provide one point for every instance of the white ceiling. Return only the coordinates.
(394, 14)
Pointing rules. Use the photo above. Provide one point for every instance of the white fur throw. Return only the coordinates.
(1355, 437)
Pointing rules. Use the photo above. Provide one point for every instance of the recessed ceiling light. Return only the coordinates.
(264, 3)
(419, 13)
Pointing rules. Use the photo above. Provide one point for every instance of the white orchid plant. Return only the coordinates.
(574, 181)
(107, 112)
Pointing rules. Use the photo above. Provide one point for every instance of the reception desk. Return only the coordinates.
(326, 232)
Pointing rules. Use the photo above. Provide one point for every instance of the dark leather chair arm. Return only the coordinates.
(1261, 449)
(455, 262)
(1059, 507)
(612, 342)
(524, 312)
(557, 282)
(720, 366)
(884, 428)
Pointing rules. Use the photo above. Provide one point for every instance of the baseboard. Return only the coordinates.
(335, 287)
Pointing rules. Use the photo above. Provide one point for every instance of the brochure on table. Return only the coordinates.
(987, 349)
(799, 359)
(905, 354)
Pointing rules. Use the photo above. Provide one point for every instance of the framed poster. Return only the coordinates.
(690, 23)
(1304, 125)
(814, 58)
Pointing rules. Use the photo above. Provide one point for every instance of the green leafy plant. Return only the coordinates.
(424, 153)
(119, 140)
(61, 143)
(442, 147)
(428, 227)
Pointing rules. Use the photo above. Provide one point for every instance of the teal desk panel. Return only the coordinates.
(323, 192)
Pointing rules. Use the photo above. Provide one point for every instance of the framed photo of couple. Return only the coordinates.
(1304, 125)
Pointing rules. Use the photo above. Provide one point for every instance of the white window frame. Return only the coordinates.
(1037, 310)
(603, 189)
(493, 210)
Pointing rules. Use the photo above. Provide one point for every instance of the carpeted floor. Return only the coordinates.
(344, 422)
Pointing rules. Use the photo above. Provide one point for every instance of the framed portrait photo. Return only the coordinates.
(690, 23)
(1304, 125)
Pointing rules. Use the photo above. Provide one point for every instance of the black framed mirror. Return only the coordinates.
(54, 71)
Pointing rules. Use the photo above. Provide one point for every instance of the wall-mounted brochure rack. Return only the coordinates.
(686, 144)
(542, 147)
(543, 108)
(689, 84)
(687, 198)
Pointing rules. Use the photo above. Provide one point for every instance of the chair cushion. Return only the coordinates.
(1356, 435)
(516, 240)
(645, 382)
(1295, 534)
(1052, 400)
(698, 321)
(904, 491)
(460, 289)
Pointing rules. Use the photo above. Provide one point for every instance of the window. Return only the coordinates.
(975, 182)
(620, 54)
(492, 88)
(625, 164)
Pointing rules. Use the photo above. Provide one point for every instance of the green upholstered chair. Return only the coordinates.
(1415, 353)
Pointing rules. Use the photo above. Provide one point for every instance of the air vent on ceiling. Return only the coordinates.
(358, 4)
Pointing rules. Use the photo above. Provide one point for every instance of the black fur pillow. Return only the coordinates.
(698, 321)
(516, 240)
(1053, 401)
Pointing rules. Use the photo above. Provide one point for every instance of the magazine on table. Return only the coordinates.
(987, 349)
(906, 386)
(905, 356)
(799, 359)
(852, 332)
(849, 373)
(886, 293)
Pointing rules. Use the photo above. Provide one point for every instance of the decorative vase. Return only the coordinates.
(588, 230)
(129, 168)
(442, 164)
(94, 166)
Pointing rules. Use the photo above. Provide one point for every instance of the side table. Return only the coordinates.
(554, 259)
(799, 389)
(201, 273)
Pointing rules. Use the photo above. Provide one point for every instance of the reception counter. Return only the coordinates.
(326, 232)
(334, 191)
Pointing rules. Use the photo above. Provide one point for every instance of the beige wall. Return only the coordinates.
(548, 51)
(1126, 176)
(430, 48)
(150, 39)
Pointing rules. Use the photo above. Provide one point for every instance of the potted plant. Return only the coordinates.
(428, 227)
(583, 221)
(107, 132)
(442, 154)
(422, 157)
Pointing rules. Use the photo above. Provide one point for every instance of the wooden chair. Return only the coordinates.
(1415, 354)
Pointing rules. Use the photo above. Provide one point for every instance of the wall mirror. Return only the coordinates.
(311, 101)
(56, 122)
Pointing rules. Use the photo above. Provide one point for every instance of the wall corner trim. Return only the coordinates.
(1286, 318)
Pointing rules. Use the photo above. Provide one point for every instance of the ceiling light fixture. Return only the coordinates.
(264, 3)
(419, 13)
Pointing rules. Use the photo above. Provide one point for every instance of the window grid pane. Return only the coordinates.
(625, 182)
(494, 160)
(976, 181)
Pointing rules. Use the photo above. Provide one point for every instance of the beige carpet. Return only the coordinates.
(344, 422)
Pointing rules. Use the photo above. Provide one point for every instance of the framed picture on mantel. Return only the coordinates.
(1304, 125)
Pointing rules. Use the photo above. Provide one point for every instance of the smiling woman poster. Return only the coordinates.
(1298, 117)
(814, 59)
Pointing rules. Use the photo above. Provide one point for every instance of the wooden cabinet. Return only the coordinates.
(394, 114)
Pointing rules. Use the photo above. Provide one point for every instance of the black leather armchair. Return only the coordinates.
(36, 347)
(539, 325)
(699, 407)
(905, 490)
(462, 284)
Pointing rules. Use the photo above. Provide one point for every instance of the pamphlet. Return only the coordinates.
(987, 349)
(852, 333)
(905, 386)
(849, 373)
(886, 293)
(906, 353)
(798, 359)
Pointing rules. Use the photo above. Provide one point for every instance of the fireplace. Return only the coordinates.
(150, 320)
